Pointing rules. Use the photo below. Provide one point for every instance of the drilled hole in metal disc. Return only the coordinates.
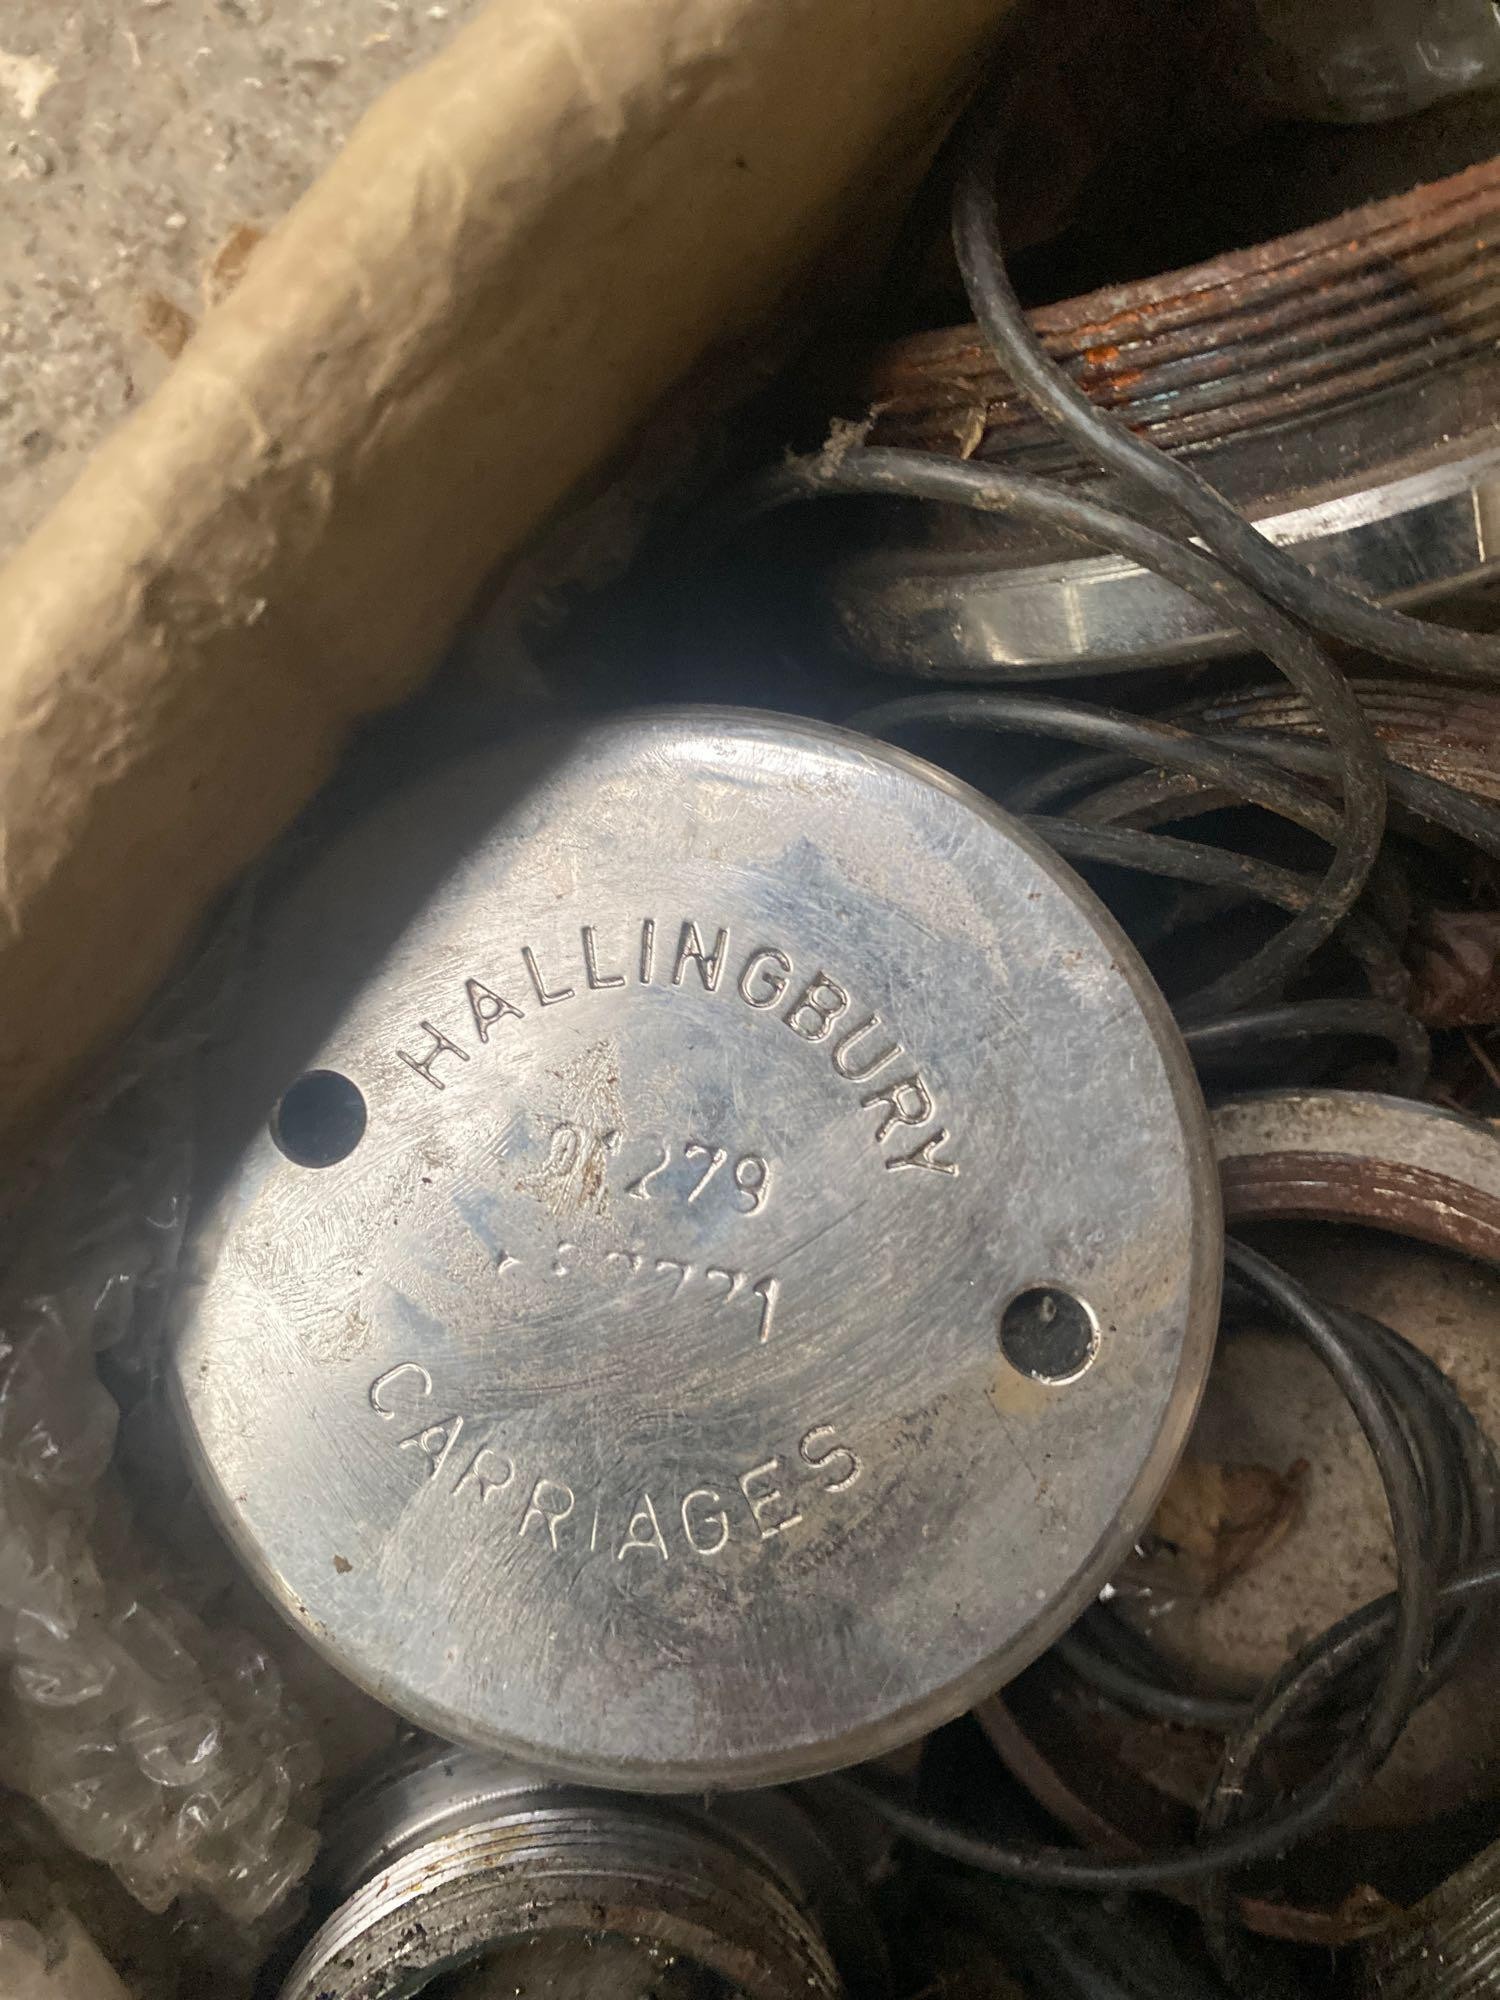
(320, 1119)
(1048, 1334)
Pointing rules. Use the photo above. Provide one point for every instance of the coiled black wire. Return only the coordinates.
(1361, 1681)
(1224, 763)
(1427, 799)
(1249, 570)
(920, 475)
(1456, 1467)
(1396, 1633)
(1215, 1043)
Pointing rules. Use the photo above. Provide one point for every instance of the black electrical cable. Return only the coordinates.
(1361, 1681)
(1231, 1035)
(1073, 778)
(918, 475)
(1459, 1468)
(1370, 1671)
(1172, 747)
(1459, 1493)
(1149, 799)
(1179, 860)
(1252, 777)
(1145, 802)
(1349, 1652)
(1472, 819)
(1404, 1626)
(1240, 546)
(1372, 934)
(1471, 1589)
(1456, 1467)
(1193, 861)
(1142, 802)
(1106, 1653)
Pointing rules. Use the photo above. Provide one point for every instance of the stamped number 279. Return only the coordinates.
(751, 1174)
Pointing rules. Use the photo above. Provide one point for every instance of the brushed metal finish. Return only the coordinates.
(630, 1397)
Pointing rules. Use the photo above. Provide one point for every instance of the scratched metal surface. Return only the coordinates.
(630, 1397)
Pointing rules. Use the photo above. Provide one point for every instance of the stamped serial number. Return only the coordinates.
(716, 1284)
(682, 1171)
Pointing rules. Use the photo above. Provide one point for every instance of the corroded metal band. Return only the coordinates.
(1338, 385)
(1293, 328)
(1360, 1156)
(1448, 733)
(1448, 1947)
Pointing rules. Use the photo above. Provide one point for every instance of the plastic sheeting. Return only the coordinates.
(155, 1743)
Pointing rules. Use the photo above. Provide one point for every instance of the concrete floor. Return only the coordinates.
(143, 145)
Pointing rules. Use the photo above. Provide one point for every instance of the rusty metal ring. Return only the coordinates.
(1337, 385)
(1282, 332)
(1359, 1156)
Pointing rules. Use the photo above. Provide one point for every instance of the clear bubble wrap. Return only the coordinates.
(1358, 61)
(153, 1740)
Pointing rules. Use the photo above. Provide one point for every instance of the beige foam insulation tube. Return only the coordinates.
(521, 248)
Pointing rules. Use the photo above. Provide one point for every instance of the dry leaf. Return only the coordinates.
(1456, 969)
(1216, 1520)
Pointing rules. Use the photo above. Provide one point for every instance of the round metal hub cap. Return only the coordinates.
(714, 1254)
